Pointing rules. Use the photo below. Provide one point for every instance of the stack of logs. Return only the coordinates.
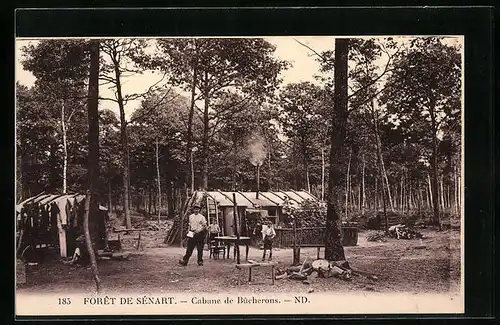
(319, 268)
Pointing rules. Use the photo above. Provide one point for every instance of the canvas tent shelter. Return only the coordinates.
(54, 220)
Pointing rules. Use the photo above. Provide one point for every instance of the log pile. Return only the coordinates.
(401, 231)
(319, 268)
(174, 235)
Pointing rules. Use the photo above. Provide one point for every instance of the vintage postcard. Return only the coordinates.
(259, 175)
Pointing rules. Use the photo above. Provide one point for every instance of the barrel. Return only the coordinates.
(349, 236)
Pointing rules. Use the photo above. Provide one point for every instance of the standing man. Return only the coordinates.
(196, 236)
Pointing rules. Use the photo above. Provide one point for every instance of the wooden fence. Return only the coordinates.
(311, 236)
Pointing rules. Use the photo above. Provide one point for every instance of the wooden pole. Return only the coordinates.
(236, 230)
(296, 249)
(258, 181)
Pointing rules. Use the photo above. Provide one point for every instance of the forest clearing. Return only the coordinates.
(399, 265)
(132, 152)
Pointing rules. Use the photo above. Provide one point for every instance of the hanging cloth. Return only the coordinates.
(72, 211)
(61, 204)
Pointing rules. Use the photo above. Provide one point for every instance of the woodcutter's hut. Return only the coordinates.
(54, 220)
(219, 206)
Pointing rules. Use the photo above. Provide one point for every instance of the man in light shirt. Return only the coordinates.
(196, 236)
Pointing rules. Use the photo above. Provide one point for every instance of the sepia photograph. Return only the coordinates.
(239, 175)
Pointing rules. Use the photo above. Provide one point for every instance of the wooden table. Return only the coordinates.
(317, 246)
(228, 240)
(251, 265)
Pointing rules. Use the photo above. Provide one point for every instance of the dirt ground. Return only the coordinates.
(400, 265)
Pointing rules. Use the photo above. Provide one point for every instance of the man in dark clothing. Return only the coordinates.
(196, 236)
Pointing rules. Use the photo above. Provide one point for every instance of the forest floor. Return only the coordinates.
(400, 265)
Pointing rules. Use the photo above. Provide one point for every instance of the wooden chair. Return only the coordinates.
(215, 248)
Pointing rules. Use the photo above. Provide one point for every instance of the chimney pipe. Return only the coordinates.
(258, 181)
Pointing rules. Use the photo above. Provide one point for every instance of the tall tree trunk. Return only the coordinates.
(459, 190)
(419, 198)
(155, 210)
(359, 197)
(205, 133)
(384, 205)
(448, 196)
(189, 136)
(379, 153)
(441, 190)
(158, 181)
(169, 182)
(429, 192)
(170, 199)
(91, 204)
(235, 161)
(456, 192)
(305, 162)
(270, 178)
(363, 189)
(110, 203)
(348, 186)
(53, 169)
(386, 178)
(308, 180)
(380, 163)
(124, 143)
(65, 147)
(402, 193)
(322, 174)
(376, 193)
(21, 179)
(411, 201)
(130, 192)
(434, 163)
(334, 251)
(149, 199)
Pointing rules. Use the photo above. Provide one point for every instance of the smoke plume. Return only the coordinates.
(256, 149)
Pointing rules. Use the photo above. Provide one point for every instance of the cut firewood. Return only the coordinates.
(120, 256)
(335, 270)
(307, 271)
(298, 276)
(363, 272)
(320, 264)
(302, 267)
(291, 269)
(325, 273)
(281, 276)
(104, 254)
